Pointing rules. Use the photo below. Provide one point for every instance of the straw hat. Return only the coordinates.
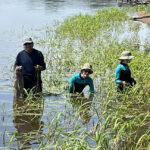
(88, 67)
(126, 55)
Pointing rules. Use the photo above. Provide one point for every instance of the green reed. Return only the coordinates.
(95, 39)
(111, 120)
(87, 26)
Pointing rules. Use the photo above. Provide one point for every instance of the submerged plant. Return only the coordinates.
(111, 120)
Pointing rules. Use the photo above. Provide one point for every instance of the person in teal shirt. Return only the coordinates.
(122, 73)
(80, 80)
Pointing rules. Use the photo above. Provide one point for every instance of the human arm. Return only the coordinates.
(41, 64)
(71, 85)
(117, 76)
(91, 86)
(17, 65)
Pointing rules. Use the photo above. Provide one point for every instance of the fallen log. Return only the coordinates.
(137, 18)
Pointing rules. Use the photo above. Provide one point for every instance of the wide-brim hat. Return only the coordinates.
(126, 55)
(27, 40)
(87, 67)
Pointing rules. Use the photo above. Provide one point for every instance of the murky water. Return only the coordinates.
(20, 19)
(16, 18)
(20, 16)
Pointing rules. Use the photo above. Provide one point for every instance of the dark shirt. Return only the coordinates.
(29, 60)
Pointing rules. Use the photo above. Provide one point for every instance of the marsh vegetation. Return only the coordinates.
(111, 120)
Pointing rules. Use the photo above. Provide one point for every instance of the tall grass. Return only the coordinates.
(123, 119)
(112, 120)
(86, 27)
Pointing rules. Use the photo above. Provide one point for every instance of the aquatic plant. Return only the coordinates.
(112, 120)
(86, 27)
(122, 121)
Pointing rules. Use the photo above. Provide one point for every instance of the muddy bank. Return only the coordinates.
(143, 17)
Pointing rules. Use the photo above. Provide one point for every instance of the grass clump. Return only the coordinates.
(122, 119)
(111, 120)
(85, 27)
(147, 9)
(140, 8)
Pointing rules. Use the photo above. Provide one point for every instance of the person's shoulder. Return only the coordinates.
(37, 51)
(119, 66)
(90, 79)
(21, 52)
(76, 75)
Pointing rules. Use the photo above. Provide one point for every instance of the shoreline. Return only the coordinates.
(143, 17)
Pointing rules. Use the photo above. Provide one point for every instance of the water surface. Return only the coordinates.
(18, 20)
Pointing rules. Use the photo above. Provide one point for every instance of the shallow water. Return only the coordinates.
(20, 19)
(33, 15)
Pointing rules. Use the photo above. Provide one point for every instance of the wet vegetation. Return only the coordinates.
(109, 120)
(140, 8)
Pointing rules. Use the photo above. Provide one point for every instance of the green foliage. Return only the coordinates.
(86, 27)
(122, 119)
(148, 8)
(95, 39)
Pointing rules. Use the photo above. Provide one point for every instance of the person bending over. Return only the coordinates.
(80, 80)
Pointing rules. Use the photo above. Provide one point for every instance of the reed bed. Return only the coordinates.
(111, 120)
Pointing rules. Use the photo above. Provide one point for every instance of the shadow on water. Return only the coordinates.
(27, 120)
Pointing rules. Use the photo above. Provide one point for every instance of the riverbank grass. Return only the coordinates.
(111, 120)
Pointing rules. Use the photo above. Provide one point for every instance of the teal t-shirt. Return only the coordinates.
(118, 70)
(77, 84)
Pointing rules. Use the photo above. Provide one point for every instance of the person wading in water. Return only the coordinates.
(122, 73)
(82, 79)
(30, 61)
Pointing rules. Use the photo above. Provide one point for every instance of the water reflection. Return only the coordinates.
(27, 120)
(20, 16)
(83, 106)
(58, 4)
(83, 5)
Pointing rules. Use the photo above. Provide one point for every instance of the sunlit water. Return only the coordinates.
(20, 16)
(16, 17)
